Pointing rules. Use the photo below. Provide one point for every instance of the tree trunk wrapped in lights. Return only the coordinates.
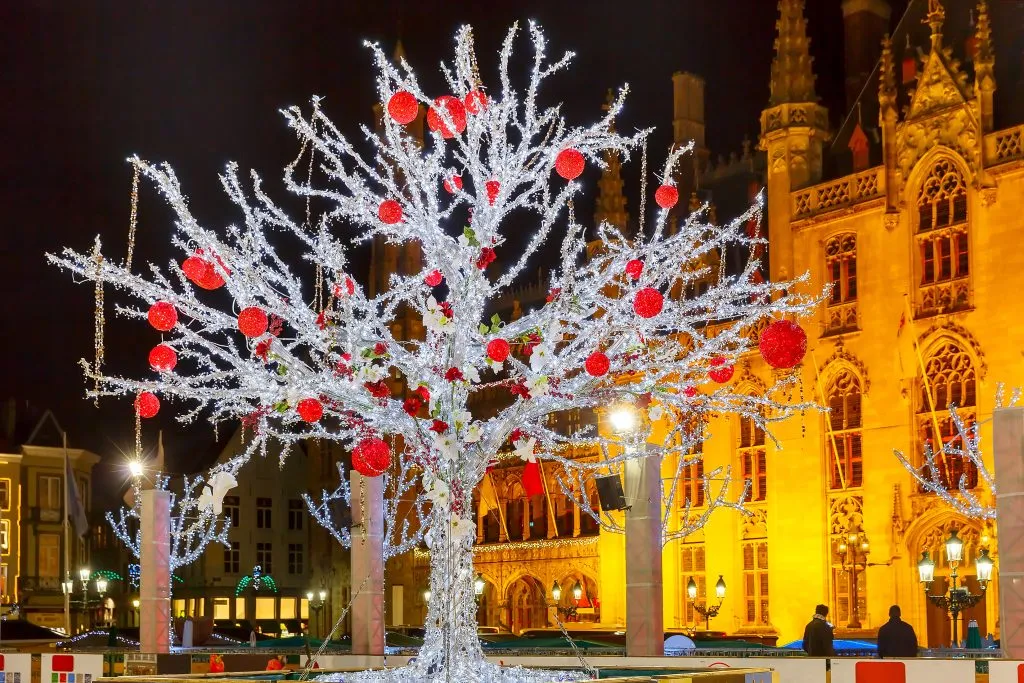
(307, 372)
(932, 475)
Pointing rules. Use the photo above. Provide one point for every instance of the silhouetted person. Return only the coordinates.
(818, 634)
(896, 639)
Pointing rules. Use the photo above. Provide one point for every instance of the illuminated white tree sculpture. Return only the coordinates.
(609, 334)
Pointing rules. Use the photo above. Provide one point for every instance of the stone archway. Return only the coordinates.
(527, 604)
(588, 607)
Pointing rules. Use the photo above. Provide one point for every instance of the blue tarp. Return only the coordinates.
(839, 645)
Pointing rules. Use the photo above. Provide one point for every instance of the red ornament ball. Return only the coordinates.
(202, 272)
(597, 364)
(569, 163)
(498, 350)
(147, 404)
(162, 316)
(390, 212)
(452, 184)
(253, 322)
(456, 113)
(402, 107)
(476, 101)
(433, 278)
(666, 196)
(310, 410)
(648, 302)
(783, 344)
(689, 392)
(371, 457)
(634, 269)
(493, 187)
(163, 358)
(721, 371)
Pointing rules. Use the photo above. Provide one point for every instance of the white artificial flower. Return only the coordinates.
(434, 318)
(473, 434)
(439, 494)
(212, 497)
(655, 412)
(370, 373)
(471, 374)
(541, 356)
(222, 482)
(524, 448)
(446, 446)
(538, 386)
(462, 530)
(461, 418)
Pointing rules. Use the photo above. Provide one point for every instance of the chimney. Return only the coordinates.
(864, 24)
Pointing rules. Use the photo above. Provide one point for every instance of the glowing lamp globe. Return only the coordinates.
(954, 547)
(162, 316)
(310, 409)
(597, 364)
(456, 114)
(648, 302)
(147, 405)
(983, 567)
(372, 457)
(253, 322)
(926, 568)
(498, 350)
(666, 196)
(783, 344)
(163, 358)
(390, 212)
(720, 588)
(402, 107)
(556, 592)
(623, 419)
(691, 588)
(569, 163)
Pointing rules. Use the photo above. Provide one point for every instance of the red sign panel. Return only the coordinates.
(63, 663)
(881, 672)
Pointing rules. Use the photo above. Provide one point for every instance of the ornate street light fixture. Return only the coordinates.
(853, 549)
(478, 585)
(706, 611)
(959, 598)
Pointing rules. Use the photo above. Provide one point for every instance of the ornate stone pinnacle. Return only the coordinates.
(792, 76)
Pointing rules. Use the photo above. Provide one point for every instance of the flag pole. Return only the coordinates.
(547, 495)
(67, 544)
(497, 502)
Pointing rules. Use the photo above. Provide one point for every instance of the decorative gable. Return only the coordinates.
(937, 89)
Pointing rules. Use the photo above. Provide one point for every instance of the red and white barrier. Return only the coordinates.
(15, 668)
(1005, 671)
(70, 668)
(902, 670)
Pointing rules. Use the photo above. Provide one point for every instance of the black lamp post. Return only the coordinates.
(706, 611)
(959, 598)
(853, 549)
(316, 603)
(577, 594)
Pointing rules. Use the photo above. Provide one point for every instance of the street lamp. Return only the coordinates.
(135, 468)
(316, 602)
(556, 592)
(556, 595)
(135, 612)
(478, 585)
(623, 419)
(577, 592)
(959, 598)
(706, 611)
(853, 549)
(426, 595)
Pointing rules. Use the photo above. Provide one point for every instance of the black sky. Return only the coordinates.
(199, 83)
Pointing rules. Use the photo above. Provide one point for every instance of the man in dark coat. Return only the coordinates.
(896, 639)
(818, 634)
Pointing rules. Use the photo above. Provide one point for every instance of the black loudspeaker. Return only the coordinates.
(609, 491)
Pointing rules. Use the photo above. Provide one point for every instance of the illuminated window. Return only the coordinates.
(239, 608)
(179, 608)
(841, 271)
(266, 608)
(231, 510)
(5, 536)
(303, 608)
(265, 557)
(49, 555)
(5, 494)
(232, 558)
(692, 564)
(952, 380)
(691, 483)
(844, 401)
(287, 608)
(942, 239)
(221, 608)
(755, 583)
(753, 462)
(296, 511)
(264, 507)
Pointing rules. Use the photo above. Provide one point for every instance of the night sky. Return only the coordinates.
(199, 83)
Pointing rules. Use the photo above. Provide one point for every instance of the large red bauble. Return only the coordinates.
(493, 187)
(163, 358)
(783, 344)
(402, 107)
(498, 350)
(456, 112)
(371, 457)
(634, 269)
(433, 278)
(597, 364)
(147, 404)
(310, 409)
(253, 322)
(162, 316)
(202, 272)
(569, 163)
(455, 183)
(648, 302)
(721, 371)
(476, 101)
(666, 196)
(390, 212)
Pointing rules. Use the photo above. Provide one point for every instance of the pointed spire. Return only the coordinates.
(399, 52)
(887, 77)
(984, 59)
(935, 18)
(792, 75)
(610, 206)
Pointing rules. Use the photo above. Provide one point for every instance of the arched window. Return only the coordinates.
(753, 462)
(691, 482)
(943, 239)
(692, 564)
(843, 444)
(952, 380)
(841, 270)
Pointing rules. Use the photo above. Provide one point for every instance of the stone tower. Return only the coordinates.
(864, 24)
(793, 130)
(610, 206)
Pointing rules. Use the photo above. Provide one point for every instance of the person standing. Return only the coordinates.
(818, 634)
(896, 639)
